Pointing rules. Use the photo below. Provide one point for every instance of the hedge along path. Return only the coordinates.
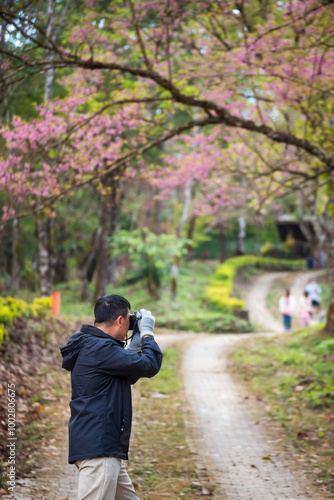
(240, 447)
(219, 292)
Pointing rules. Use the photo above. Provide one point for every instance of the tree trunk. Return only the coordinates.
(222, 242)
(329, 327)
(43, 254)
(50, 35)
(190, 233)
(186, 207)
(88, 265)
(174, 281)
(112, 270)
(157, 213)
(45, 244)
(152, 285)
(16, 263)
(242, 233)
(113, 264)
(108, 223)
(6, 91)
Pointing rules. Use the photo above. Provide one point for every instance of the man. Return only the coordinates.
(102, 372)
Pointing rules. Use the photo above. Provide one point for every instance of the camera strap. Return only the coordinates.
(135, 330)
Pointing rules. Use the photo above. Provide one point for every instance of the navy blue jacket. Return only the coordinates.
(102, 372)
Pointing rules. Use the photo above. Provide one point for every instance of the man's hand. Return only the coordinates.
(146, 323)
(135, 342)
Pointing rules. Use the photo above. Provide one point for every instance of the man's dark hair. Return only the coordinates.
(109, 307)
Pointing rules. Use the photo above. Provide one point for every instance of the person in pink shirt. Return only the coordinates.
(305, 309)
(286, 307)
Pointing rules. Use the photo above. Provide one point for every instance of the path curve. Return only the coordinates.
(257, 296)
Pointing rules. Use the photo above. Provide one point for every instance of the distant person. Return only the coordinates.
(305, 309)
(310, 262)
(314, 292)
(286, 307)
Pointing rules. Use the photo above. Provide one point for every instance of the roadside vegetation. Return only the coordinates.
(204, 299)
(292, 378)
(190, 310)
(29, 358)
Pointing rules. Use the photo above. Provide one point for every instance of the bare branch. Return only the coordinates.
(139, 37)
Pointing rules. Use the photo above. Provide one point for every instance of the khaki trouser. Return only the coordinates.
(104, 478)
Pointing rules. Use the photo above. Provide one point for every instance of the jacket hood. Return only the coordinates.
(71, 350)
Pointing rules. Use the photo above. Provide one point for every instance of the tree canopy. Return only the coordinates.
(159, 69)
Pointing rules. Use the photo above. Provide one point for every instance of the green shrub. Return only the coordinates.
(12, 309)
(290, 249)
(7, 315)
(41, 306)
(221, 286)
(3, 333)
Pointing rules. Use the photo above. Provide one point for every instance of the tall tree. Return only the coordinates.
(251, 68)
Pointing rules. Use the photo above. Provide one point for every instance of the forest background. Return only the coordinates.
(136, 134)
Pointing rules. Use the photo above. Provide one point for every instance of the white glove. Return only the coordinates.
(135, 342)
(146, 323)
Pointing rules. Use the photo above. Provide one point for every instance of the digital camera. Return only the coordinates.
(133, 318)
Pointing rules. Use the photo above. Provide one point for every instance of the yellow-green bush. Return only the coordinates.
(40, 306)
(3, 333)
(222, 283)
(266, 247)
(11, 309)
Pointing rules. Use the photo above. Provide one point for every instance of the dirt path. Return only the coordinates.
(241, 452)
(233, 441)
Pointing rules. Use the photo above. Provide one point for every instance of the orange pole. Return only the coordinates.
(55, 302)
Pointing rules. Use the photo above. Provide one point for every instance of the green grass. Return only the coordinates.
(294, 377)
